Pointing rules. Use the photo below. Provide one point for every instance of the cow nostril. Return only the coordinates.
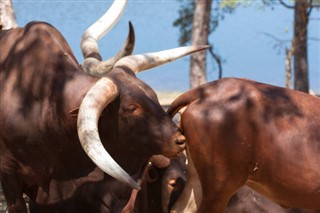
(180, 140)
(172, 183)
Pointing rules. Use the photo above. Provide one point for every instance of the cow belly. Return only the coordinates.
(287, 166)
(284, 182)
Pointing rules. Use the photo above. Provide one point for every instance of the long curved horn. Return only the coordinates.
(138, 63)
(90, 38)
(88, 116)
(94, 66)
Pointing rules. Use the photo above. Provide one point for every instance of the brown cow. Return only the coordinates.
(48, 153)
(174, 177)
(242, 132)
(245, 200)
(165, 185)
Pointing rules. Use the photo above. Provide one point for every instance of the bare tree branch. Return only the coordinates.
(286, 5)
(275, 38)
(217, 59)
(310, 9)
(313, 39)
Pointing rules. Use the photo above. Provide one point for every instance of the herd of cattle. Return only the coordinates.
(92, 137)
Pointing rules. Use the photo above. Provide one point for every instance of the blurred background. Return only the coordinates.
(256, 39)
(250, 37)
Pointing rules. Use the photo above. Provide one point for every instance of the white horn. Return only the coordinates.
(97, 98)
(138, 63)
(94, 66)
(90, 38)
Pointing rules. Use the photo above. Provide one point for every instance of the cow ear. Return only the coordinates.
(74, 112)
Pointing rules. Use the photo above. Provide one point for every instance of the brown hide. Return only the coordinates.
(248, 201)
(40, 153)
(242, 132)
(245, 200)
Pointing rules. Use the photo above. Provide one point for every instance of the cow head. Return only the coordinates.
(43, 82)
(142, 127)
(142, 123)
(165, 181)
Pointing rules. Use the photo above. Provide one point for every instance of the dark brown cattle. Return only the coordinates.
(174, 177)
(159, 191)
(165, 184)
(53, 139)
(242, 132)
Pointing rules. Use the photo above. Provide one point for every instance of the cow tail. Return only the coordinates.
(182, 101)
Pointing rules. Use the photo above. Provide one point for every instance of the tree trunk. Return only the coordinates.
(288, 67)
(301, 81)
(7, 17)
(200, 33)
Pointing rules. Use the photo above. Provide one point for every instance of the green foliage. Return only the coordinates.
(316, 3)
(184, 22)
(231, 4)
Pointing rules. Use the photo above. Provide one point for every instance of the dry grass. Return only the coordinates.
(166, 98)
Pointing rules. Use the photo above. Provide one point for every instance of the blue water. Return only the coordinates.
(240, 39)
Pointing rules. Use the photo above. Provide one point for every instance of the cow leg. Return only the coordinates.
(220, 157)
(218, 185)
(12, 191)
(217, 188)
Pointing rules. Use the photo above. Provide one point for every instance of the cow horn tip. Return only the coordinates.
(202, 47)
(130, 25)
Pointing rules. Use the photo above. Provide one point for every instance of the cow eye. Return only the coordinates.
(131, 108)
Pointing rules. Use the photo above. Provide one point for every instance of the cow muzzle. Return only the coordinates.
(177, 145)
